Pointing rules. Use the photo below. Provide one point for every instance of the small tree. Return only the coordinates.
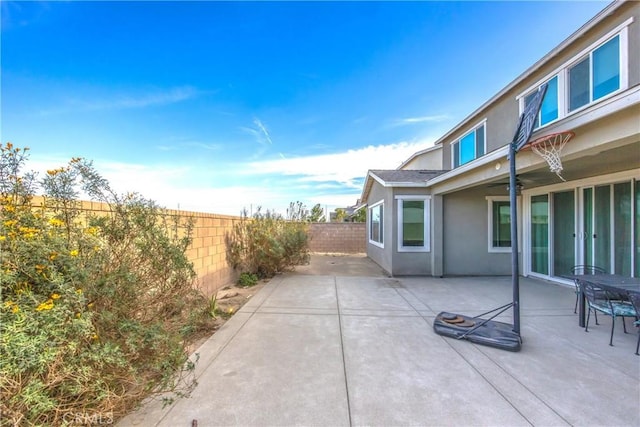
(297, 212)
(317, 214)
(360, 215)
(341, 214)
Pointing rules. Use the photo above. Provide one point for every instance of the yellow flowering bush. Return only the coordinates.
(95, 311)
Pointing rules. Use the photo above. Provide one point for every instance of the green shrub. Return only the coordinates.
(267, 244)
(95, 310)
(248, 279)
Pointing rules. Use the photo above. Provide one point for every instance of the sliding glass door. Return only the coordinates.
(608, 227)
(595, 225)
(564, 232)
(540, 234)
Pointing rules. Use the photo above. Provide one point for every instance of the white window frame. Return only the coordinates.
(562, 97)
(490, 201)
(457, 142)
(427, 223)
(562, 72)
(369, 221)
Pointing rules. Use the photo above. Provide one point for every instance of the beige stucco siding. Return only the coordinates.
(409, 263)
(381, 256)
(465, 237)
(430, 159)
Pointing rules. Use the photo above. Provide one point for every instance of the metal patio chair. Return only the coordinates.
(601, 300)
(635, 300)
(584, 269)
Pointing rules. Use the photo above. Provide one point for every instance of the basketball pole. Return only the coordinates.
(523, 134)
(515, 274)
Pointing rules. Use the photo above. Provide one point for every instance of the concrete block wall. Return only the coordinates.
(338, 237)
(208, 250)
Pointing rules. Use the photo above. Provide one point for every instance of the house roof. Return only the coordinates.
(398, 178)
(411, 178)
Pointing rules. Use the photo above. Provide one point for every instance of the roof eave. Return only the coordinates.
(371, 176)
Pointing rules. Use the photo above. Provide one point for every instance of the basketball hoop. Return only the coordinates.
(549, 147)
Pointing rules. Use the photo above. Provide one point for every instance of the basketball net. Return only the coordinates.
(550, 147)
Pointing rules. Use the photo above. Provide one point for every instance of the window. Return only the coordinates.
(595, 76)
(499, 224)
(413, 223)
(376, 225)
(591, 75)
(470, 146)
(550, 107)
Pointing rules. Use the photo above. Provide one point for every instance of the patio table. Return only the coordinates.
(612, 282)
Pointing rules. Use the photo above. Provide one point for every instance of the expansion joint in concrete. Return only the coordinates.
(344, 361)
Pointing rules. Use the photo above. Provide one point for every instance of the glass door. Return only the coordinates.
(622, 228)
(607, 227)
(597, 225)
(587, 226)
(601, 236)
(564, 232)
(540, 234)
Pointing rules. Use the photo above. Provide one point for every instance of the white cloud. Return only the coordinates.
(259, 132)
(191, 144)
(341, 167)
(417, 120)
(160, 97)
(97, 101)
(333, 180)
(263, 129)
(183, 187)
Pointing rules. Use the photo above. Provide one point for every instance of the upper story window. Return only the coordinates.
(596, 75)
(591, 75)
(470, 146)
(549, 110)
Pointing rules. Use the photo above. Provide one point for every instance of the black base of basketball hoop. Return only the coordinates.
(478, 331)
(549, 147)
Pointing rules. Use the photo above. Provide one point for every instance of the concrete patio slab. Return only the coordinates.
(359, 349)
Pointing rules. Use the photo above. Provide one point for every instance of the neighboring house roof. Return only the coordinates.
(398, 178)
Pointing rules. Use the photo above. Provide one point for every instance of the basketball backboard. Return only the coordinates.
(528, 119)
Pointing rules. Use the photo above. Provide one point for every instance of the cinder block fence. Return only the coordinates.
(338, 237)
(208, 251)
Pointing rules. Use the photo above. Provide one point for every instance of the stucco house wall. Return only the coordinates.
(465, 237)
(409, 263)
(381, 255)
(428, 159)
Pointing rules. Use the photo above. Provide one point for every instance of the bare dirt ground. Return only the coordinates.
(229, 300)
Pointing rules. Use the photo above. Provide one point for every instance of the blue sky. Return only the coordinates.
(217, 106)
